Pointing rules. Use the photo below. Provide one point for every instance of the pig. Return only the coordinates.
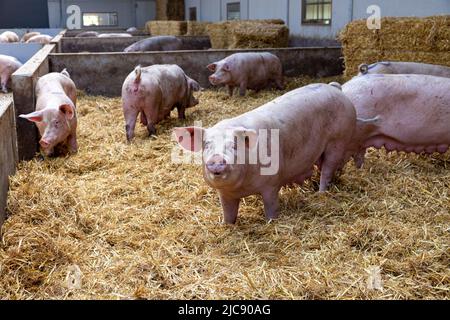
(92, 34)
(247, 70)
(315, 125)
(409, 113)
(8, 65)
(114, 35)
(55, 114)
(158, 43)
(40, 38)
(394, 67)
(132, 29)
(153, 92)
(29, 35)
(9, 36)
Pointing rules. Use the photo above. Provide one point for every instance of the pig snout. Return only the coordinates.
(216, 165)
(44, 143)
(213, 79)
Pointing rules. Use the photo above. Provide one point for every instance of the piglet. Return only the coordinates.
(247, 70)
(8, 65)
(9, 36)
(274, 145)
(55, 114)
(87, 34)
(153, 92)
(114, 35)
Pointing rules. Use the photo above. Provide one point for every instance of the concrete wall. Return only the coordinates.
(69, 45)
(131, 13)
(343, 11)
(23, 84)
(8, 147)
(104, 73)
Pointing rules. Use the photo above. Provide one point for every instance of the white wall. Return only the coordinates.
(291, 12)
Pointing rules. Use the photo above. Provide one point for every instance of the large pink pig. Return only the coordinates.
(397, 67)
(410, 113)
(285, 138)
(247, 70)
(8, 65)
(153, 92)
(55, 114)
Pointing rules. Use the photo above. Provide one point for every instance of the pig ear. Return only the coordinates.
(226, 67)
(37, 116)
(67, 110)
(190, 138)
(212, 67)
(194, 85)
(250, 135)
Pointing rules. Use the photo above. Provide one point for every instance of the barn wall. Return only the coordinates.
(104, 73)
(8, 147)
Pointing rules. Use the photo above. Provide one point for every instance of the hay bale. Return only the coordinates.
(260, 36)
(399, 39)
(171, 28)
(197, 28)
(248, 34)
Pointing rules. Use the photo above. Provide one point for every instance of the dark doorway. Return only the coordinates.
(23, 14)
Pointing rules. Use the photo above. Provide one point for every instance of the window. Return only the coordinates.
(106, 19)
(193, 14)
(316, 12)
(233, 11)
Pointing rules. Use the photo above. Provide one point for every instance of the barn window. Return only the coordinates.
(233, 11)
(100, 19)
(316, 12)
(193, 14)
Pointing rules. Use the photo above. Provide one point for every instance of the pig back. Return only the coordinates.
(413, 109)
(56, 83)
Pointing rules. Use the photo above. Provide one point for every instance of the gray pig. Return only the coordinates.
(314, 125)
(158, 43)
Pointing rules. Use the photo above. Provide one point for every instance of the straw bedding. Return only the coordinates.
(399, 39)
(120, 221)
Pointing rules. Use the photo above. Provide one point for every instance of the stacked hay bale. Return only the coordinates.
(169, 9)
(399, 39)
(197, 28)
(172, 28)
(249, 34)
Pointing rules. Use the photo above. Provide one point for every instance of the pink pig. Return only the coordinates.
(154, 92)
(8, 65)
(409, 113)
(55, 114)
(307, 126)
(247, 70)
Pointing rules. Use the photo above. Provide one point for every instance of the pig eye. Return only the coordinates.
(207, 145)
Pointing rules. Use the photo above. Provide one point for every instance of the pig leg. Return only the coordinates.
(130, 122)
(143, 119)
(332, 161)
(72, 142)
(181, 112)
(271, 206)
(230, 208)
(242, 88)
(150, 126)
(3, 82)
(279, 82)
(230, 90)
(359, 158)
